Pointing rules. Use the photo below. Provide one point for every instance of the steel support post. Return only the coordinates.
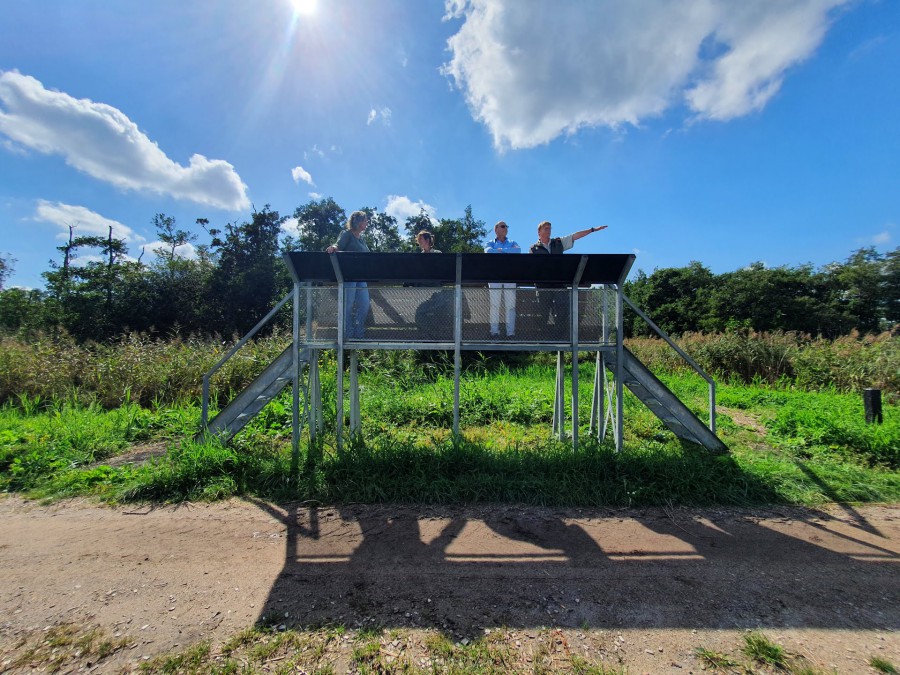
(315, 395)
(295, 349)
(573, 313)
(596, 399)
(620, 366)
(339, 394)
(355, 421)
(559, 398)
(457, 340)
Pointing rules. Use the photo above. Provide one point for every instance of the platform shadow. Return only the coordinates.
(463, 569)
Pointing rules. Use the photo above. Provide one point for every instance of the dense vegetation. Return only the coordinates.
(112, 352)
(236, 275)
(787, 445)
(161, 372)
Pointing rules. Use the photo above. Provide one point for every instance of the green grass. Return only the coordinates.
(809, 448)
(759, 648)
(882, 665)
(713, 660)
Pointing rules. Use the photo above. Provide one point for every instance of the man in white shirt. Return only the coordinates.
(502, 292)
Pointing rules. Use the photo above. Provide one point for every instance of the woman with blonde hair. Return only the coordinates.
(356, 293)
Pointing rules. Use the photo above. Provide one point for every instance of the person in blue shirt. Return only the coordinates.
(502, 293)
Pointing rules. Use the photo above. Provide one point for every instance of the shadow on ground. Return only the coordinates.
(463, 569)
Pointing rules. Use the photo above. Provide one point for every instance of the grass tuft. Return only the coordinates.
(883, 665)
(759, 648)
(714, 660)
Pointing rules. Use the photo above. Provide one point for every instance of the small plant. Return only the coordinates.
(711, 659)
(759, 648)
(581, 666)
(883, 665)
(370, 632)
(189, 660)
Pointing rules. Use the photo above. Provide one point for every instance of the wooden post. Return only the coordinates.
(872, 403)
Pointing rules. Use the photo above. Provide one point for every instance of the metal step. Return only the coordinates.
(246, 405)
(664, 404)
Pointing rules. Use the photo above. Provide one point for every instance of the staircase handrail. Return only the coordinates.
(204, 412)
(710, 381)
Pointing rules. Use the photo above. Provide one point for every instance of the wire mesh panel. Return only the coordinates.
(425, 313)
(410, 314)
(318, 314)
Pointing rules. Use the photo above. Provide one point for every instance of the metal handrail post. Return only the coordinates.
(355, 423)
(709, 380)
(457, 342)
(204, 404)
(620, 326)
(339, 383)
(295, 378)
(207, 378)
(573, 335)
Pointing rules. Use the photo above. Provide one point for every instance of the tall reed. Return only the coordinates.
(162, 371)
(848, 363)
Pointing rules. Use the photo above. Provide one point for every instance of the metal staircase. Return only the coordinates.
(664, 404)
(267, 385)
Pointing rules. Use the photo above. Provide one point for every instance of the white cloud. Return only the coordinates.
(290, 226)
(315, 195)
(298, 173)
(384, 114)
(101, 141)
(313, 151)
(881, 238)
(85, 221)
(187, 251)
(533, 70)
(402, 208)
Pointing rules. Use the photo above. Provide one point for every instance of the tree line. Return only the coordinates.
(95, 291)
(236, 275)
(860, 294)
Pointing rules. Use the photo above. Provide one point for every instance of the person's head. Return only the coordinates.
(425, 240)
(544, 231)
(501, 229)
(358, 221)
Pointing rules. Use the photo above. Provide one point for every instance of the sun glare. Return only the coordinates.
(304, 6)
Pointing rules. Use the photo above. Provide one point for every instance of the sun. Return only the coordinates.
(305, 6)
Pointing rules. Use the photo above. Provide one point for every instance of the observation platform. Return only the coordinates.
(563, 303)
(414, 299)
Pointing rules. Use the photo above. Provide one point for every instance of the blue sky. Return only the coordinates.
(710, 130)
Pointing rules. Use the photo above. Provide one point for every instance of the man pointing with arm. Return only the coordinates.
(546, 244)
(555, 303)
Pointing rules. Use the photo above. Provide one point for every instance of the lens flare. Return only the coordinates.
(306, 7)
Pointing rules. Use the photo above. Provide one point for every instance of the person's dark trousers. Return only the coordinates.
(554, 312)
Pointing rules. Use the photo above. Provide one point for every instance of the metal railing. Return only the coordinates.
(204, 413)
(711, 382)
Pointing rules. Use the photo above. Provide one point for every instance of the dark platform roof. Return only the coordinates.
(599, 268)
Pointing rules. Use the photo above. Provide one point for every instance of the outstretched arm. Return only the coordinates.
(584, 233)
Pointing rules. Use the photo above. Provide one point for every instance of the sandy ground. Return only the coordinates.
(652, 584)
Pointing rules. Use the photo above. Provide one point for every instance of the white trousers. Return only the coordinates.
(506, 293)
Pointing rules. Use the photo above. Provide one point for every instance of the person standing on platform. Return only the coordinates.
(556, 303)
(546, 244)
(502, 293)
(425, 240)
(356, 300)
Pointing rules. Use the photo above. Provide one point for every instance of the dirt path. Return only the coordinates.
(657, 583)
